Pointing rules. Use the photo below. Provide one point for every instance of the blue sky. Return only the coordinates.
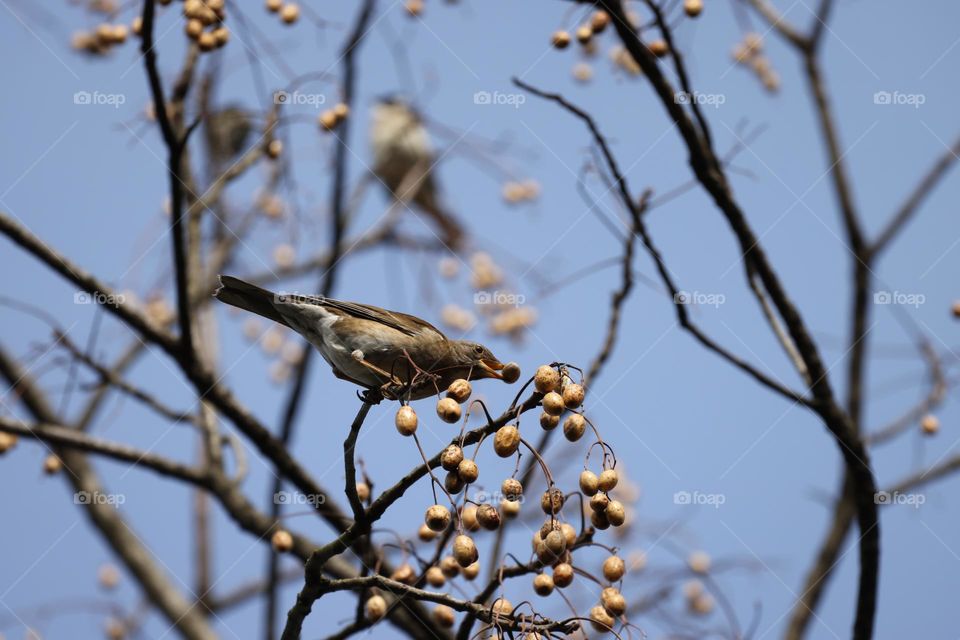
(89, 179)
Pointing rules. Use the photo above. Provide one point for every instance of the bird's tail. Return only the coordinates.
(249, 297)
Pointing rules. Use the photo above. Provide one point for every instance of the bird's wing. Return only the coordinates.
(402, 322)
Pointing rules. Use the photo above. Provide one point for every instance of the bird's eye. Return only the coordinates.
(478, 349)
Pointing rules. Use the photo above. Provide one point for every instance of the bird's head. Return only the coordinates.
(479, 359)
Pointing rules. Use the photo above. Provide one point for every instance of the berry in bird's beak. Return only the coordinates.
(492, 368)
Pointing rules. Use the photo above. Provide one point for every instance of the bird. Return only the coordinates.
(227, 133)
(393, 354)
(404, 161)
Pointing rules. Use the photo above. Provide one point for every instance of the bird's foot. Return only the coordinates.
(371, 396)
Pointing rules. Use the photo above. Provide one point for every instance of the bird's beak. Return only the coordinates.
(492, 368)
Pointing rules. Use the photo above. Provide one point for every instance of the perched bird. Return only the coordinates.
(404, 161)
(394, 353)
(227, 133)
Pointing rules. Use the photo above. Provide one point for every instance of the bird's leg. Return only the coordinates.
(385, 388)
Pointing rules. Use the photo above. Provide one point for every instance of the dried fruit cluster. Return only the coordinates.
(454, 526)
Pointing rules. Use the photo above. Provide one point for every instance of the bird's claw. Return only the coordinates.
(370, 396)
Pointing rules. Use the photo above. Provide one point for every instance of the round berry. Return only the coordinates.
(464, 550)
(574, 427)
(281, 540)
(488, 517)
(608, 479)
(546, 379)
(468, 471)
(506, 441)
(553, 403)
(448, 410)
(511, 489)
(589, 483)
(613, 568)
(375, 608)
(437, 518)
(451, 457)
(563, 575)
(552, 501)
(459, 390)
(543, 584)
(572, 395)
(548, 422)
(560, 39)
(510, 372)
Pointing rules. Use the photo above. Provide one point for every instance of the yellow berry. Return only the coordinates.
(659, 48)
(584, 33)
(444, 616)
(599, 21)
(448, 410)
(589, 484)
(572, 395)
(375, 608)
(52, 464)
(601, 620)
(553, 403)
(574, 427)
(613, 568)
(406, 420)
(459, 390)
(693, 8)
(437, 518)
(546, 379)
(282, 540)
(506, 441)
(608, 480)
(561, 39)
(930, 424)
(290, 13)
(464, 550)
(543, 584)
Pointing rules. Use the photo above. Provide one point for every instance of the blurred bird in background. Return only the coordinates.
(404, 161)
(386, 351)
(227, 132)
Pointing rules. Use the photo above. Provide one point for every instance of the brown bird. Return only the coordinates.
(394, 353)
